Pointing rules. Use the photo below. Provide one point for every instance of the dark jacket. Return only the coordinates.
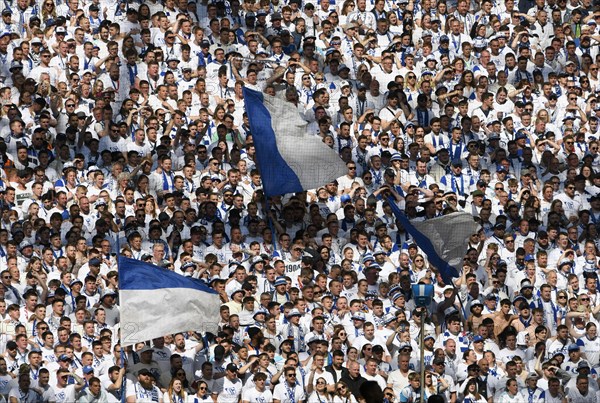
(333, 373)
(354, 384)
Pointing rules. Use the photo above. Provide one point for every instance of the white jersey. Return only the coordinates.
(287, 394)
(591, 348)
(230, 391)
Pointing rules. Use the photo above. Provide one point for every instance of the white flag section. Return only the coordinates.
(449, 235)
(156, 301)
(289, 159)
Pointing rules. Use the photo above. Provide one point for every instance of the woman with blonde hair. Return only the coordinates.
(411, 86)
(175, 392)
(43, 90)
(48, 12)
(218, 116)
(122, 184)
(104, 197)
(418, 263)
(98, 89)
(33, 211)
(35, 264)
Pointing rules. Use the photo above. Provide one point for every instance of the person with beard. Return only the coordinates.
(143, 389)
(22, 392)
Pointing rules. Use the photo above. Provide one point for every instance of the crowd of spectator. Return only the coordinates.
(123, 131)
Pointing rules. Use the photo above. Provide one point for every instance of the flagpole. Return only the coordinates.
(462, 306)
(270, 222)
(123, 357)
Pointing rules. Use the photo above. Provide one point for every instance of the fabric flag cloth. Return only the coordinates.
(443, 239)
(289, 159)
(156, 301)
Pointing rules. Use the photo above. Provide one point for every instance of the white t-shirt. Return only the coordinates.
(64, 395)
(325, 375)
(230, 391)
(398, 381)
(574, 396)
(254, 396)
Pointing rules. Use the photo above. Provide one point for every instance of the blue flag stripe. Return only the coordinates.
(138, 275)
(277, 176)
(446, 271)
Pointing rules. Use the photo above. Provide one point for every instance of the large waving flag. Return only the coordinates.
(444, 239)
(290, 160)
(155, 301)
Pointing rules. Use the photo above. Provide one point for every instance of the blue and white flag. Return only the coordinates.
(289, 159)
(155, 302)
(443, 239)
